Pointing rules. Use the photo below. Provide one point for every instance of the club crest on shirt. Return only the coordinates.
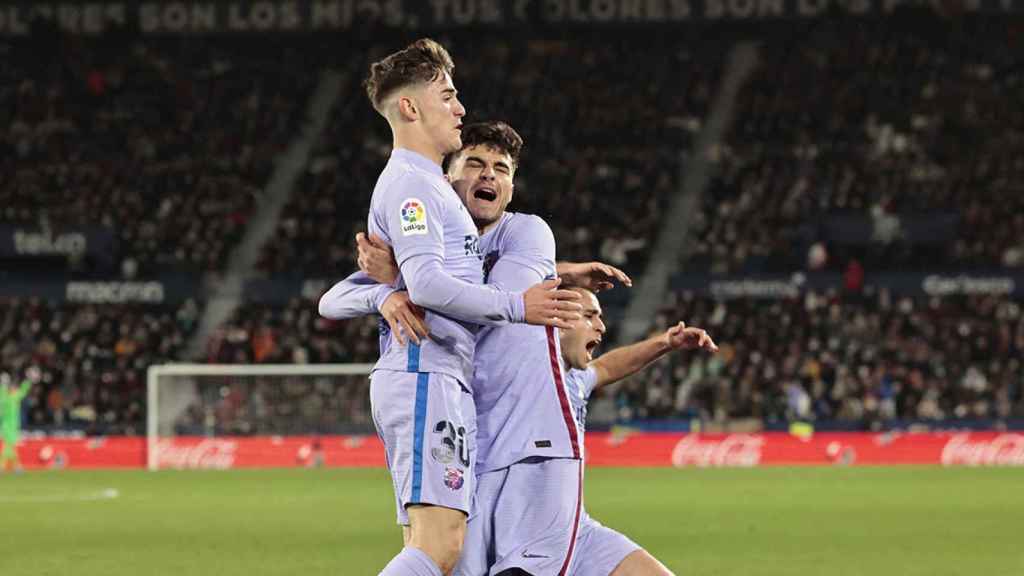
(453, 478)
(413, 217)
(471, 244)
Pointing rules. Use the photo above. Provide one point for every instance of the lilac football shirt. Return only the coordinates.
(437, 249)
(523, 404)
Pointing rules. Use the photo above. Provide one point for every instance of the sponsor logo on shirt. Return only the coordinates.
(527, 554)
(414, 217)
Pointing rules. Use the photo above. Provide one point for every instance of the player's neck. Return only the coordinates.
(418, 144)
(481, 230)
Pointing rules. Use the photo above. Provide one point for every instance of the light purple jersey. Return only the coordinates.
(523, 405)
(581, 384)
(437, 249)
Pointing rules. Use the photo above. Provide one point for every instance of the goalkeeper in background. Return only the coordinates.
(11, 396)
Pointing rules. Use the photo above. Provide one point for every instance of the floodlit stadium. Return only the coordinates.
(787, 339)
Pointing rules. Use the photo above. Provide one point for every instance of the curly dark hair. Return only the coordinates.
(422, 61)
(494, 134)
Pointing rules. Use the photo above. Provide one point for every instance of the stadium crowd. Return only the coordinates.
(291, 334)
(858, 358)
(869, 146)
(907, 130)
(163, 145)
(606, 123)
(93, 359)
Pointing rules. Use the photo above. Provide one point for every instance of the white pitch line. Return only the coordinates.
(105, 494)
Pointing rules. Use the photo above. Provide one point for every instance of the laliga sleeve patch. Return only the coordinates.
(413, 217)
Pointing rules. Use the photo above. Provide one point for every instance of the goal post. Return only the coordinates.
(196, 413)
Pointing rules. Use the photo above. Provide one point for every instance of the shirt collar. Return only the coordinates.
(418, 160)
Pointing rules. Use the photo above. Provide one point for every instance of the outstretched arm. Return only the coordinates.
(627, 360)
(359, 295)
(412, 217)
(355, 296)
(594, 276)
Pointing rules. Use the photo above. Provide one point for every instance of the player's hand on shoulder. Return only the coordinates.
(406, 319)
(682, 337)
(594, 276)
(546, 305)
(376, 258)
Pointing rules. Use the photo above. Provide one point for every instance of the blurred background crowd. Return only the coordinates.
(856, 147)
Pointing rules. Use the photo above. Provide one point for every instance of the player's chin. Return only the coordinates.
(456, 144)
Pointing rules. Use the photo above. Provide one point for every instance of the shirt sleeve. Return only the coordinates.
(529, 257)
(588, 380)
(414, 215)
(355, 296)
(431, 287)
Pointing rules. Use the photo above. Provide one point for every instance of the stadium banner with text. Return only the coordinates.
(19, 242)
(784, 286)
(295, 16)
(602, 449)
(166, 290)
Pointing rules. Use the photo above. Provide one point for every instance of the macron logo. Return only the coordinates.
(528, 555)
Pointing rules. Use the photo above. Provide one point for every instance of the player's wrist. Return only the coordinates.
(664, 342)
(383, 294)
(517, 307)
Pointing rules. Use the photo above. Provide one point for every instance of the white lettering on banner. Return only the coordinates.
(618, 10)
(467, 11)
(741, 9)
(739, 450)
(331, 15)
(114, 292)
(943, 286)
(755, 289)
(74, 17)
(262, 16)
(178, 17)
(207, 454)
(1003, 450)
(44, 243)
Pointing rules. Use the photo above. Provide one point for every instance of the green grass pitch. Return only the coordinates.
(783, 521)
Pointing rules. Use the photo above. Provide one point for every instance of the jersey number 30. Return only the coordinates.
(453, 440)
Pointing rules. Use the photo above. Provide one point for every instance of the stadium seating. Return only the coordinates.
(93, 359)
(886, 142)
(605, 123)
(166, 145)
(860, 359)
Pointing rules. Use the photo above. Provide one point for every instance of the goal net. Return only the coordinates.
(259, 415)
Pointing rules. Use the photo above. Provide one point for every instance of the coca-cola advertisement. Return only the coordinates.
(602, 449)
(823, 449)
(968, 450)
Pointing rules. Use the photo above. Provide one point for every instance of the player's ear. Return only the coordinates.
(407, 108)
